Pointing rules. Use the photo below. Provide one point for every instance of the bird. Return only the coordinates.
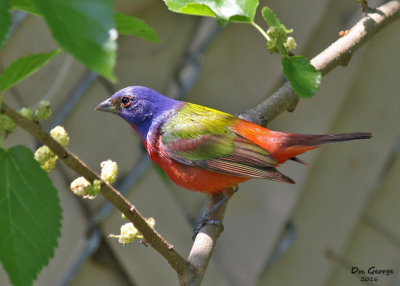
(206, 150)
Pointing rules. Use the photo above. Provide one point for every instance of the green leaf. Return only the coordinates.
(270, 18)
(303, 76)
(129, 25)
(24, 67)
(30, 215)
(84, 28)
(273, 21)
(224, 10)
(25, 5)
(5, 20)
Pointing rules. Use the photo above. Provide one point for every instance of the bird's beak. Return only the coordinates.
(106, 105)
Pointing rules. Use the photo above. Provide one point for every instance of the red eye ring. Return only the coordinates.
(126, 101)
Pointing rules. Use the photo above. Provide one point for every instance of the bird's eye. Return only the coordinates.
(126, 101)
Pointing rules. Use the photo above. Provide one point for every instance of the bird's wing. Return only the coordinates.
(200, 136)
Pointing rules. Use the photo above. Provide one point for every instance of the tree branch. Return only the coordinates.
(151, 236)
(205, 241)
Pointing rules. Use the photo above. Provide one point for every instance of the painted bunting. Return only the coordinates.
(206, 150)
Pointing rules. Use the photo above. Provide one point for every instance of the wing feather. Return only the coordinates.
(199, 136)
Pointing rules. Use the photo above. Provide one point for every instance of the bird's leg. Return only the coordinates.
(205, 219)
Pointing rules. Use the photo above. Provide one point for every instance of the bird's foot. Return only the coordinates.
(203, 221)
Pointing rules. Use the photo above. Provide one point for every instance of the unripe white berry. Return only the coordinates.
(46, 158)
(43, 154)
(79, 185)
(128, 233)
(60, 135)
(43, 111)
(290, 44)
(49, 164)
(109, 171)
(26, 112)
(7, 125)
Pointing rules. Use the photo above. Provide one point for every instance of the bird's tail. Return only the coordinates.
(284, 146)
(290, 144)
(292, 139)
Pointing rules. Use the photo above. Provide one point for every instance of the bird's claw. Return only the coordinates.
(203, 221)
(205, 218)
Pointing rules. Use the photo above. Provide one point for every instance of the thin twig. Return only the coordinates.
(151, 236)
